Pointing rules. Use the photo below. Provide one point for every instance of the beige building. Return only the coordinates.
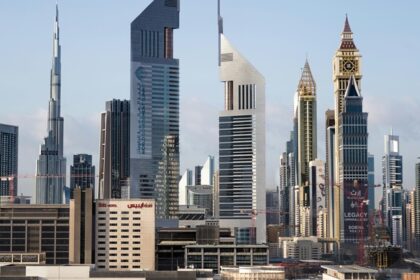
(301, 248)
(354, 272)
(81, 227)
(125, 234)
(253, 273)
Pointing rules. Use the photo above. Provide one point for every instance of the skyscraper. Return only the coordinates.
(186, 180)
(392, 174)
(241, 143)
(167, 179)
(371, 183)
(207, 172)
(307, 138)
(82, 173)
(353, 178)
(317, 199)
(346, 63)
(9, 136)
(330, 182)
(51, 164)
(197, 175)
(114, 161)
(416, 209)
(154, 93)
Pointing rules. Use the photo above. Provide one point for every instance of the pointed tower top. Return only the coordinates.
(307, 85)
(347, 36)
(220, 30)
(347, 28)
(352, 89)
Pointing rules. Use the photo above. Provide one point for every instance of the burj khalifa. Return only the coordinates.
(51, 164)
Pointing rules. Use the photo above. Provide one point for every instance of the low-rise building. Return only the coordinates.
(125, 234)
(354, 272)
(216, 256)
(252, 273)
(301, 248)
(35, 229)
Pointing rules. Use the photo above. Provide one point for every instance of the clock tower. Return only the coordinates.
(346, 63)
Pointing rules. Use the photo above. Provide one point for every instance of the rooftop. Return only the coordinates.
(349, 269)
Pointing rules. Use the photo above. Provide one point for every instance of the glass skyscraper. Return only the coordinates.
(8, 159)
(154, 96)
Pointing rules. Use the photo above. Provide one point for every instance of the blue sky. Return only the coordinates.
(275, 36)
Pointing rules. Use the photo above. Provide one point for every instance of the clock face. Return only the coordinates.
(348, 65)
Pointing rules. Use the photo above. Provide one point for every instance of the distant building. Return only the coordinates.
(338, 272)
(82, 173)
(318, 198)
(207, 171)
(253, 272)
(186, 180)
(114, 156)
(125, 234)
(371, 184)
(272, 198)
(36, 228)
(330, 182)
(392, 167)
(301, 248)
(416, 208)
(167, 177)
(201, 196)
(9, 136)
(197, 175)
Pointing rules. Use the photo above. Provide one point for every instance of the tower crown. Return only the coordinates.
(307, 85)
(347, 36)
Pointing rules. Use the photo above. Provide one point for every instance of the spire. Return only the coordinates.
(307, 85)
(220, 31)
(347, 36)
(347, 28)
(352, 88)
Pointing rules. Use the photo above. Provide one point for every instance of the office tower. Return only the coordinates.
(292, 224)
(186, 180)
(241, 128)
(125, 234)
(202, 197)
(167, 179)
(272, 207)
(114, 161)
(392, 172)
(283, 192)
(216, 189)
(81, 226)
(197, 175)
(51, 164)
(410, 223)
(9, 136)
(82, 191)
(417, 210)
(371, 184)
(39, 229)
(317, 198)
(346, 63)
(307, 140)
(207, 172)
(330, 182)
(82, 173)
(353, 178)
(154, 93)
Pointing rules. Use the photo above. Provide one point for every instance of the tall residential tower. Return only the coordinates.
(51, 164)
(8, 159)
